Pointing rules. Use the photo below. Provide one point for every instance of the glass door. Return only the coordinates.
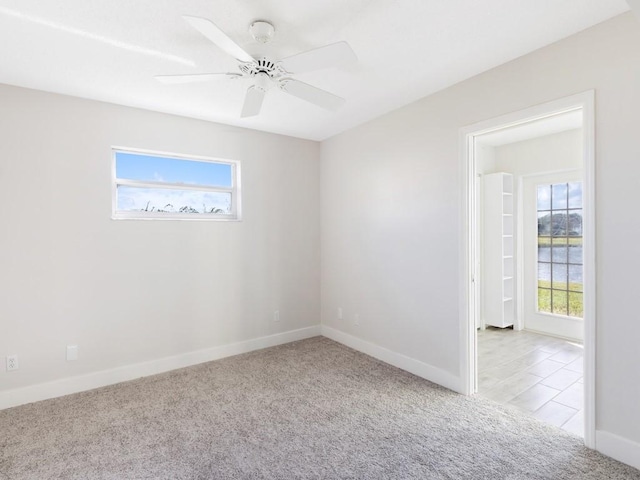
(553, 270)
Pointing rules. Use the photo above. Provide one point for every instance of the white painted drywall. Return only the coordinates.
(130, 291)
(635, 7)
(559, 151)
(390, 194)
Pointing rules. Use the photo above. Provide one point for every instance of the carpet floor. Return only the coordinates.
(308, 409)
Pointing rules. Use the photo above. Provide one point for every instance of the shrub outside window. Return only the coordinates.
(152, 185)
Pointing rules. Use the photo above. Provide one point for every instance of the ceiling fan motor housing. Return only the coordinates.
(262, 65)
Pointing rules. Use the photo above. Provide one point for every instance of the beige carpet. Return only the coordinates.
(309, 409)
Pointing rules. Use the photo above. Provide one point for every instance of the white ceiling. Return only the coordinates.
(110, 50)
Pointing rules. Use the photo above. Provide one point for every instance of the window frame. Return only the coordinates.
(234, 190)
(551, 289)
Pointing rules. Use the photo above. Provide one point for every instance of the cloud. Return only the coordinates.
(574, 196)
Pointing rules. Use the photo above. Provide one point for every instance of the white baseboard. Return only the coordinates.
(421, 369)
(619, 448)
(66, 386)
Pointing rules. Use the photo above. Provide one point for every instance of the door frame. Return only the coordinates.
(468, 252)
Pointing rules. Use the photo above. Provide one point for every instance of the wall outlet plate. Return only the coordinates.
(12, 362)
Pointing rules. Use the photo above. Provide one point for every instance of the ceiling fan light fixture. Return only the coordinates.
(263, 82)
(262, 32)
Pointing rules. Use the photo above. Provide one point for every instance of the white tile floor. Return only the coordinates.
(537, 374)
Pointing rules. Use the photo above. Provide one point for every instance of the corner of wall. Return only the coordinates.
(411, 365)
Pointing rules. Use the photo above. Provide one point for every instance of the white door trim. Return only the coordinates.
(586, 102)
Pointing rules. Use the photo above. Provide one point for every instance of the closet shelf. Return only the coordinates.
(497, 250)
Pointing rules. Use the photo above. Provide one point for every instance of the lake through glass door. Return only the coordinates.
(560, 265)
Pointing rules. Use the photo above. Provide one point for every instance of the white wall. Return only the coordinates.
(390, 194)
(485, 158)
(549, 153)
(136, 291)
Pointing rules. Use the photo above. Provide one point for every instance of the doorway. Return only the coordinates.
(509, 291)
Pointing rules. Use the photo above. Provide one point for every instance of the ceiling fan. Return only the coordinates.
(266, 73)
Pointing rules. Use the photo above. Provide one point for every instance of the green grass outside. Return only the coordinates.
(571, 241)
(576, 308)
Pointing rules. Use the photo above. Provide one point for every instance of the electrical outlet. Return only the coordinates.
(276, 316)
(356, 319)
(339, 313)
(12, 362)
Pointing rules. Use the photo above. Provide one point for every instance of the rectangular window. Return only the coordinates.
(149, 185)
(560, 284)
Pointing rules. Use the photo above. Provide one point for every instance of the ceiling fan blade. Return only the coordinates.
(323, 57)
(198, 77)
(217, 36)
(252, 102)
(312, 94)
